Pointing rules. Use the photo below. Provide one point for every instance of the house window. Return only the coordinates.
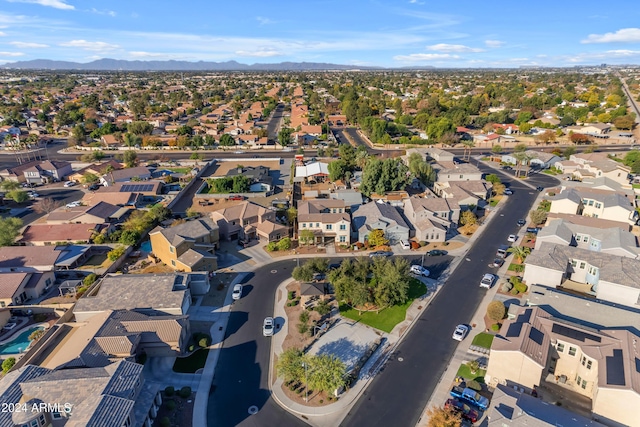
(578, 238)
(574, 263)
(585, 239)
(343, 239)
(582, 265)
(343, 226)
(333, 210)
(598, 205)
(584, 360)
(590, 202)
(329, 227)
(584, 384)
(461, 176)
(572, 351)
(34, 423)
(56, 415)
(589, 363)
(317, 225)
(578, 380)
(172, 249)
(173, 262)
(560, 348)
(304, 225)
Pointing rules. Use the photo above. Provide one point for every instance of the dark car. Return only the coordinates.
(498, 262)
(540, 188)
(521, 222)
(533, 230)
(507, 168)
(94, 187)
(436, 252)
(466, 411)
(334, 266)
(381, 254)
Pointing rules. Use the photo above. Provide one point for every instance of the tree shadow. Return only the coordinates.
(344, 349)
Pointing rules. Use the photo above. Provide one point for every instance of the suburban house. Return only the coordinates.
(18, 287)
(437, 154)
(247, 220)
(433, 219)
(189, 246)
(535, 347)
(539, 159)
(589, 221)
(596, 165)
(513, 407)
(100, 213)
(450, 171)
(97, 169)
(261, 181)
(315, 171)
(113, 395)
(596, 203)
(39, 172)
(380, 216)
(605, 276)
(466, 193)
(328, 219)
(120, 198)
(58, 234)
(154, 294)
(42, 258)
(147, 188)
(614, 241)
(592, 129)
(350, 197)
(137, 173)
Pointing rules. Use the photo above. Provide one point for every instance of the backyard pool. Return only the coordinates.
(145, 246)
(19, 343)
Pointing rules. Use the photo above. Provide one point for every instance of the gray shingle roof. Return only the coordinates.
(372, 212)
(189, 230)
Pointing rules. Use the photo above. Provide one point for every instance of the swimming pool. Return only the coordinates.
(19, 343)
(145, 246)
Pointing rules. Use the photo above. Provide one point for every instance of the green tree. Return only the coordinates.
(140, 128)
(496, 149)
(498, 188)
(306, 237)
(326, 373)
(89, 279)
(337, 169)
(227, 140)
(377, 238)
(292, 215)
(36, 335)
(518, 148)
(468, 218)
(285, 136)
(129, 237)
(9, 230)
(538, 216)
(79, 134)
(519, 252)
(115, 253)
(284, 244)
(131, 139)
(421, 169)
(492, 178)
(90, 178)
(568, 152)
(302, 273)
(18, 196)
(392, 281)
(8, 364)
(382, 176)
(624, 122)
(290, 365)
(130, 158)
(8, 185)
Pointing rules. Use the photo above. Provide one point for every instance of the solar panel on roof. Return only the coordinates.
(514, 330)
(536, 336)
(574, 333)
(615, 369)
(136, 188)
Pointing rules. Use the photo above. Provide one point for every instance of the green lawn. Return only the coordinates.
(388, 318)
(635, 185)
(515, 267)
(493, 202)
(483, 340)
(180, 170)
(190, 364)
(464, 372)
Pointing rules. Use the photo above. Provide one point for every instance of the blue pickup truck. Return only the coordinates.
(471, 396)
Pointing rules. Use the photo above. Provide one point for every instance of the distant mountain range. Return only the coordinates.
(123, 65)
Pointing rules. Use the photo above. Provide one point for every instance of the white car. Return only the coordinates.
(508, 192)
(69, 184)
(74, 204)
(419, 270)
(487, 281)
(237, 292)
(460, 332)
(405, 245)
(33, 194)
(512, 238)
(267, 327)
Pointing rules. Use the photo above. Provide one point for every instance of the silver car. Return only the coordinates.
(267, 327)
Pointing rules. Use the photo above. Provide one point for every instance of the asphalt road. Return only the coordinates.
(241, 378)
(399, 393)
(274, 123)
(62, 195)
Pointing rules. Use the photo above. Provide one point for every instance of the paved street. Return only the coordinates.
(25, 210)
(399, 393)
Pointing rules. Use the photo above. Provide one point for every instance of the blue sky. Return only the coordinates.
(465, 33)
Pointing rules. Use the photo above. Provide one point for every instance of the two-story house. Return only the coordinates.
(380, 216)
(597, 165)
(47, 171)
(189, 246)
(18, 287)
(539, 159)
(604, 204)
(328, 219)
(432, 218)
(608, 277)
(246, 221)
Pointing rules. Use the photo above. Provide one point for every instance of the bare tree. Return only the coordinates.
(46, 205)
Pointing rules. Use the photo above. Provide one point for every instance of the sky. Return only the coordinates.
(387, 33)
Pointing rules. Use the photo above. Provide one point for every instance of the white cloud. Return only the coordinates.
(625, 35)
(28, 45)
(259, 53)
(416, 2)
(424, 57)
(103, 12)
(494, 43)
(11, 54)
(444, 47)
(93, 46)
(264, 21)
(57, 4)
(604, 56)
(2, 34)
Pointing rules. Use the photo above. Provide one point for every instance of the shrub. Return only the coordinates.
(272, 246)
(165, 422)
(204, 342)
(323, 308)
(423, 243)
(99, 239)
(169, 391)
(170, 404)
(474, 385)
(495, 327)
(115, 253)
(496, 310)
(445, 243)
(8, 364)
(90, 279)
(514, 291)
(291, 295)
(284, 244)
(473, 365)
(304, 317)
(303, 328)
(185, 392)
(192, 347)
(506, 287)
(520, 287)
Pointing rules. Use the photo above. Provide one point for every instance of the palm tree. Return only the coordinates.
(519, 252)
(468, 145)
(521, 160)
(362, 158)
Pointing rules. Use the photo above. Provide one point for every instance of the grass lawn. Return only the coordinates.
(179, 170)
(190, 364)
(635, 185)
(388, 318)
(483, 340)
(493, 202)
(96, 261)
(515, 267)
(464, 372)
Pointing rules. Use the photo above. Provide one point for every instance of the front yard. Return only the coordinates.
(388, 318)
(465, 372)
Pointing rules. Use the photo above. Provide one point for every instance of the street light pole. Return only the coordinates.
(306, 391)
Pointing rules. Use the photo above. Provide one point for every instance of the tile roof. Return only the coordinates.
(189, 230)
(373, 211)
(28, 256)
(10, 283)
(58, 232)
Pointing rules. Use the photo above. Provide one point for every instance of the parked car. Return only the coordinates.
(9, 326)
(506, 168)
(381, 254)
(533, 230)
(471, 396)
(319, 277)
(521, 222)
(508, 192)
(487, 281)
(237, 292)
(74, 204)
(512, 238)
(69, 184)
(502, 251)
(405, 245)
(540, 188)
(466, 411)
(33, 194)
(267, 327)
(419, 270)
(94, 187)
(436, 252)
(236, 197)
(334, 266)
(23, 313)
(498, 262)
(460, 332)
